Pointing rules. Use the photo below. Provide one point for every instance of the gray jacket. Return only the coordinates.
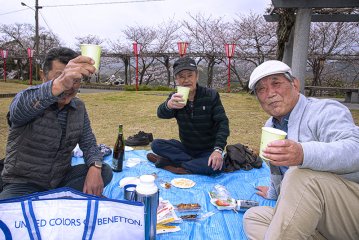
(329, 137)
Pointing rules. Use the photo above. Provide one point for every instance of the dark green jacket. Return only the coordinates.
(202, 126)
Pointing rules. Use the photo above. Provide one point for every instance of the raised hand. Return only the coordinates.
(71, 76)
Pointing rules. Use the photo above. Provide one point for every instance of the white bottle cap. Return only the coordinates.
(147, 185)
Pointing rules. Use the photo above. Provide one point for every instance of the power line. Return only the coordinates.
(87, 4)
(101, 3)
(13, 12)
(43, 18)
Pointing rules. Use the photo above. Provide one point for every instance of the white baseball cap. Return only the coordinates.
(267, 68)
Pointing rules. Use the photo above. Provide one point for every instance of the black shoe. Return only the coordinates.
(149, 135)
(139, 139)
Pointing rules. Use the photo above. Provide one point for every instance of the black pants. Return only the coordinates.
(74, 179)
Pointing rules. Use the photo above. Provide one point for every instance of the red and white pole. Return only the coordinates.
(230, 53)
(136, 51)
(4, 54)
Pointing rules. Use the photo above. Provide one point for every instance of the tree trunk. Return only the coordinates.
(167, 65)
(211, 62)
(284, 28)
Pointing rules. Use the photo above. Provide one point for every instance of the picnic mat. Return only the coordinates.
(225, 224)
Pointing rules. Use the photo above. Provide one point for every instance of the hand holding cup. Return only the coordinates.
(72, 74)
(176, 101)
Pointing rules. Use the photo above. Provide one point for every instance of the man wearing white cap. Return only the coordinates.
(319, 194)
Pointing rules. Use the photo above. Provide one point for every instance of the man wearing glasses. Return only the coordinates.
(202, 122)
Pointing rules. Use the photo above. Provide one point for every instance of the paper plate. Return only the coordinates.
(129, 180)
(183, 183)
(127, 148)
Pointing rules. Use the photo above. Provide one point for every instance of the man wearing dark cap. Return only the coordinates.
(202, 122)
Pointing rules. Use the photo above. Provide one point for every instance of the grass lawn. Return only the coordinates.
(137, 111)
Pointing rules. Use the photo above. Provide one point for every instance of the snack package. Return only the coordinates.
(166, 213)
(166, 228)
(187, 207)
(221, 198)
(198, 216)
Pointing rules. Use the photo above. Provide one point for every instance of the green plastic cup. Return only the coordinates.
(270, 134)
(185, 92)
(93, 51)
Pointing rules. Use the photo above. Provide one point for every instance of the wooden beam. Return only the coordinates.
(321, 18)
(315, 3)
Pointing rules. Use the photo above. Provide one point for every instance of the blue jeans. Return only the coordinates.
(194, 161)
(75, 179)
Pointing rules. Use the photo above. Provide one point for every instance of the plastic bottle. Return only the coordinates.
(147, 193)
(118, 151)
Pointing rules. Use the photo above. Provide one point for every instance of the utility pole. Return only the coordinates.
(37, 7)
(37, 27)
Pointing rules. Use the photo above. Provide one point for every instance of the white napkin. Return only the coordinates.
(131, 162)
(77, 151)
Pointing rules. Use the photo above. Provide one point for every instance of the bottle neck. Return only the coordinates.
(120, 129)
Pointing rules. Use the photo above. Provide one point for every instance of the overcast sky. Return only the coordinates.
(107, 20)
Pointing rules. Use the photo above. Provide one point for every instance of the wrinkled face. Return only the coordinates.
(277, 95)
(57, 69)
(187, 78)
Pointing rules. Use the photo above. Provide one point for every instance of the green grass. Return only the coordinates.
(138, 111)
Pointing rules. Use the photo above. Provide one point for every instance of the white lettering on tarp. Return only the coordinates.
(77, 222)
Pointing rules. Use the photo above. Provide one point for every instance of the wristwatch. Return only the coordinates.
(97, 164)
(217, 149)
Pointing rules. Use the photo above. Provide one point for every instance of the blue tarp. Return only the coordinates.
(223, 224)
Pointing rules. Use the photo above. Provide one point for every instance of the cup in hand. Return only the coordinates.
(130, 192)
(270, 134)
(93, 51)
(185, 92)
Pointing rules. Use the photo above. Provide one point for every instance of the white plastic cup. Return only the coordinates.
(185, 92)
(270, 134)
(93, 51)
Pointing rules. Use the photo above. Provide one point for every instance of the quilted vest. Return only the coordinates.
(35, 152)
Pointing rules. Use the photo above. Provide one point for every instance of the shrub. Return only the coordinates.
(147, 88)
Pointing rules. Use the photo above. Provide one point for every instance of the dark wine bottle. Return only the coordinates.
(118, 151)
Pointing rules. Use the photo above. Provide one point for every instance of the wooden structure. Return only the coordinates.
(296, 51)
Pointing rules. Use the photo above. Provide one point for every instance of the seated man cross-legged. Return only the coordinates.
(46, 122)
(203, 127)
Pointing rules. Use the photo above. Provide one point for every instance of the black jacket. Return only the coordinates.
(202, 124)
